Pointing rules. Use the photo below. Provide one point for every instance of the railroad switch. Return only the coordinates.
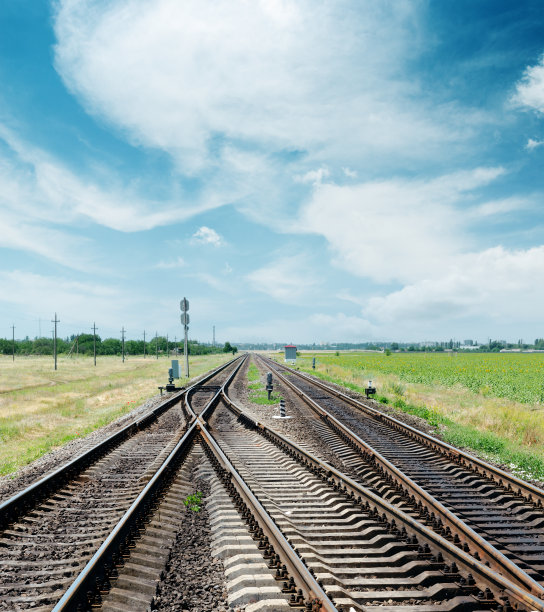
(370, 390)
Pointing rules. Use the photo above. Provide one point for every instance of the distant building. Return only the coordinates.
(290, 352)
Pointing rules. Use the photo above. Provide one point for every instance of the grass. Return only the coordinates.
(257, 391)
(500, 429)
(41, 409)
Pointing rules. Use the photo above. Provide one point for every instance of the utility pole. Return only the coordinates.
(156, 345)
(13, 341)
(94, 342)
(55, 321)
(213, 342)
(123, 343)
(184, 307)
(167, 351)
(144, 343)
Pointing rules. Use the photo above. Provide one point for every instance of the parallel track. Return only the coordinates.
(459, 494)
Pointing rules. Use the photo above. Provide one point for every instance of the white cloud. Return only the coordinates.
(315, 327)
(315, 177)
(498, 207)
(342, 326)
(215, 282)
(348, 296)
(55, 245)
(207, 235)
(179, 262)
(396, 230)
(288, 279)
(533, 144)
(530, 89)
(174, 75)
(37, 190)
(497, 284)
(349, 172)
(88, 301)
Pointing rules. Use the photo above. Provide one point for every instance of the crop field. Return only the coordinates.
(489, 402)
(41, 408)
(517, 376)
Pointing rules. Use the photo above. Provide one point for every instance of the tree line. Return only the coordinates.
(84, 344)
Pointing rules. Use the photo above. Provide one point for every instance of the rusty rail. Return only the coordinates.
(497, 560)
(354, 490)
(478, 465)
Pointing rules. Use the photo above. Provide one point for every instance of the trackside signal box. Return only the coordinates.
(175, 368)
(290, 352)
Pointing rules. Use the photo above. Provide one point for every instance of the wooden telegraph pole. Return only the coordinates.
(55, 321)
(94, 342)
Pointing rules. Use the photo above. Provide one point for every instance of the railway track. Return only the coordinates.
(291, 530)
(364, 551)
(51, 529)
(478, 506)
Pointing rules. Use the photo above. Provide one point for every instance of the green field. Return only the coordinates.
(517, 376)
(489, 402)
(41, 408)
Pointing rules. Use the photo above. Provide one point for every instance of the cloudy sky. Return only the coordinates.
(301, 170)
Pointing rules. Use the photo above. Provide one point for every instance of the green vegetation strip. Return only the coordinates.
(515, 376)
(257, 391)
(521, 460)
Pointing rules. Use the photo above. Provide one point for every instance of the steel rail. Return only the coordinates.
(295, 567)
(215, 398)
(98, 568)
(78, 592)
(15, 506)
(497, 559)
(524, 488)
(352, 489)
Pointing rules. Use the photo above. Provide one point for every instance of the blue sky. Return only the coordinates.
(303, 171)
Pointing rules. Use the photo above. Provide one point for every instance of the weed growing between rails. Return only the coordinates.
(193, 502)
(41, 409)
(257, 392)
(503, 431)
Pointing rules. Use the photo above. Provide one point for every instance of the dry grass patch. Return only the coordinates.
(41, 409)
